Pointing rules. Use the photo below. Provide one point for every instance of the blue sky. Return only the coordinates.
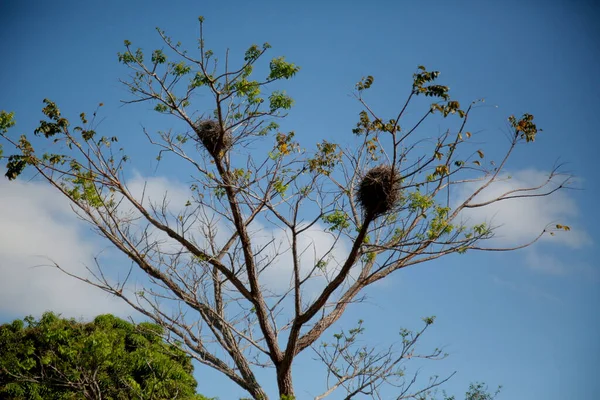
(526, 320)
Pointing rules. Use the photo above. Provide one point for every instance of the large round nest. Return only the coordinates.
(379, 191)
(212, 137)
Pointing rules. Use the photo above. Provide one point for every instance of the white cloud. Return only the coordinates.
(521, 220)
(314, 244)
(37, 225)
(152, 190)
(275, 243)
(37, 222)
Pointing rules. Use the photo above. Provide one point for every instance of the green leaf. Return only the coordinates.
(88, 135)
(337, 220)
(161, 108)
(280, 69)
(15, 166)
(365, 83)
(180, 69)
(252, 54)
(125, 360)
(7, 120)
(279, 100)
(327, 157)
(158, 57)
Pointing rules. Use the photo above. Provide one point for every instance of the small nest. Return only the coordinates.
(214, 140)
(379, 190)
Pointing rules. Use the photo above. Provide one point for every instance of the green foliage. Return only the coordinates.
(423, 77)
(419, 202)
(482, 229)
(451, 107)
(363, 124)
(346, 337)
(80, 181)
(241, 175)
(130, 57)
(252, 54)
(280, 69)
(180, 69)
(248, 89)
(439, 224)
(200, 79)
(279, 186)
(366, 126)
(158, 57)
(321, 264)
(7, 120)
(56, 358)
(278, 100)
(84, 189)
(365, 83)
(271, 126)
(57, 124)
(477, 391)
(337, 220)
(328, 155)
(18, 162)
(161, 108)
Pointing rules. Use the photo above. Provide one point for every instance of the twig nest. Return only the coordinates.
(379, 191)
(215, 141)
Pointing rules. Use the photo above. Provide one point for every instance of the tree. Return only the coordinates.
(392, 196)
(477, 391)
(56, 358)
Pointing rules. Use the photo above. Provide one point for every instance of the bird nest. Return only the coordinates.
(213, 138)
(379, 191)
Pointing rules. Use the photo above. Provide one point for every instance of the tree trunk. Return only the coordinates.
(284, 382)
(258, 393)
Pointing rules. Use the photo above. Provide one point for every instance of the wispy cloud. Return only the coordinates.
(38, 225)
(40, 228)
(153, 190)
(518, 221)
(272, 242)
(526, 289)
(546, 261)
(314, 245)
